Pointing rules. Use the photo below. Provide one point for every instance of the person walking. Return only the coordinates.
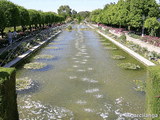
(15, 34)
(10, 35)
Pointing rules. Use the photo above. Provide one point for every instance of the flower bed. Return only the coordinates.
(148, 39)
(151, 40)
(155, 57)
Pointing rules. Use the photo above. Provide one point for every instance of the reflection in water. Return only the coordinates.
(85, 84)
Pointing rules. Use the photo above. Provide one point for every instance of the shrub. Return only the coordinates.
(106, 30)
(35, 65)
(43, 57)
(69, 28)
(118, 57)
(23, 83)
(140, 85)
(99, 27)
(135, 36)
(122, 38)
(129, 66)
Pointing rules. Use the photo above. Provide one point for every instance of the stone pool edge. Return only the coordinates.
(126, 49)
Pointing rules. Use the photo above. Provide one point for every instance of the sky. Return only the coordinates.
(53, 5)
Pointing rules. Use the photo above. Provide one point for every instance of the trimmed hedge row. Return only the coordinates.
(8, 103)
(153, 92)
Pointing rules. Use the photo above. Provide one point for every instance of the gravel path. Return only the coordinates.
(143, 44)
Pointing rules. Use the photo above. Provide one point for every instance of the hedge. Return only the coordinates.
(153, 92)
(8, 103)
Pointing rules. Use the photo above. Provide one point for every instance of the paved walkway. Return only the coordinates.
(134, 54)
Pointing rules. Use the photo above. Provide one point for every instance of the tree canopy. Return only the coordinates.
(152, 24)
(24, 16)
(12, 15)
(127, 13)
(65, 11)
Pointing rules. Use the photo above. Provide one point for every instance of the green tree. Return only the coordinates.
(152, 24)
(42, 15)
(151, 8)
(135, 13)
(11, 13)
(121, 15)
(94, 15)
(126, 13)
(2, 22)
(84, 14)
(35, 17)
(24, 17)
(50, 17)
(74, 13)
(59, 18)
(65, 11)
(139, 8)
